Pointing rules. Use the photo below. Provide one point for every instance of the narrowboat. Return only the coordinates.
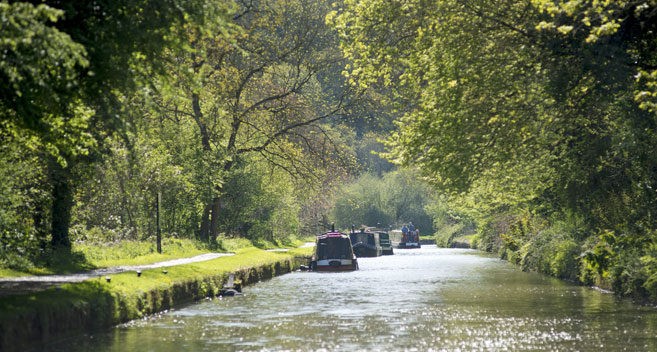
(366, 244)
(333, 252)
(384, 240)
(410, 239)
(386, 244)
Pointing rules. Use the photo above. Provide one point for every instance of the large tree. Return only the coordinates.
(261, 94)
(68, 66)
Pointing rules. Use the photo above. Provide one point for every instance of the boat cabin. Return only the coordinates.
(333, 252)
(366, 244)
(386, 244)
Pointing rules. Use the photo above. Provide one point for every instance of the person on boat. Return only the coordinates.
(411, 227)
(404, 229)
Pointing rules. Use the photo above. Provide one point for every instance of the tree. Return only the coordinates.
(70, 63)
(260, 94)
(504, 105)
(392, 199)
(524, 109)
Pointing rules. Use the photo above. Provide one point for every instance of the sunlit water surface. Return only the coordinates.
(416, 300)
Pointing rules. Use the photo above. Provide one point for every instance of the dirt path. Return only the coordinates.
(26, 284)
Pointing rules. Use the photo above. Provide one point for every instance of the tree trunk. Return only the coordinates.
(214, 225)
(204, 232)
(62, 202)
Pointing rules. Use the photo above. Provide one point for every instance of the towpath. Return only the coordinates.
(27, 284)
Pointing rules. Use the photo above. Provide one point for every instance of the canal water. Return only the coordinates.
(417, 300)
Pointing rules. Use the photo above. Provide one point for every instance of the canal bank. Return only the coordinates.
(106, 301)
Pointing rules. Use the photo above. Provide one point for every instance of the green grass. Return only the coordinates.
(305, 252)
(233, 244)
(84, 257)
(4, 272)
(137, 253)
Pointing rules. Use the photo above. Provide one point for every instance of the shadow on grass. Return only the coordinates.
(60, 261)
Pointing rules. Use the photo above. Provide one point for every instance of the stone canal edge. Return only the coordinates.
(94, 304)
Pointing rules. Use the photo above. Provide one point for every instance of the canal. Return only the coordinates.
(417, 300)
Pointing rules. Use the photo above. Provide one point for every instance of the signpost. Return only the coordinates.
(158, 225)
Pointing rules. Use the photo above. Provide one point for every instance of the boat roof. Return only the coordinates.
(364, 231)
(331, 234)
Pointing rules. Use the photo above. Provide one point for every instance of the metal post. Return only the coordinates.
(159, 223)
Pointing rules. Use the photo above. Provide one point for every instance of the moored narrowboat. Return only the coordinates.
(333, 252)
(412, 239)
(408, 239)
(386, 244)
(384, 240)
(366, 244)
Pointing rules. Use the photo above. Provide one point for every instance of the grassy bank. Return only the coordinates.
(92, 255)
(96, 303)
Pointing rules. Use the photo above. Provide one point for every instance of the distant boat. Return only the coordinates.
(333, 252)
(366, 244)
(410, 239)
(386, 244)
(384, 240)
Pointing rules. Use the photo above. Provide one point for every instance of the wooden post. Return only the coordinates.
(158, 224)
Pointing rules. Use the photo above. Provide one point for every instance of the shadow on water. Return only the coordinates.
(440, 299)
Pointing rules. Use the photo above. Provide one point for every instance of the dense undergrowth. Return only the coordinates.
(450, 235)
(569, 249)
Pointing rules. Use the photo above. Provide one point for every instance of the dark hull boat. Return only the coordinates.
(333, 252)
(366, 244)
(366, 250)
(384, 240)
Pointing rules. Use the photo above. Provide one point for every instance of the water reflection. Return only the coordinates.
(427, 299)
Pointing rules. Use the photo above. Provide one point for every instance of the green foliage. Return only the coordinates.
(450, 221)
(368, 150)
(450, 235)
(259, 204)
(64, 91)
(396, 198)
(23, 203)
(39, 67)
(361, 203)
(649, 268)
(531, 110)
